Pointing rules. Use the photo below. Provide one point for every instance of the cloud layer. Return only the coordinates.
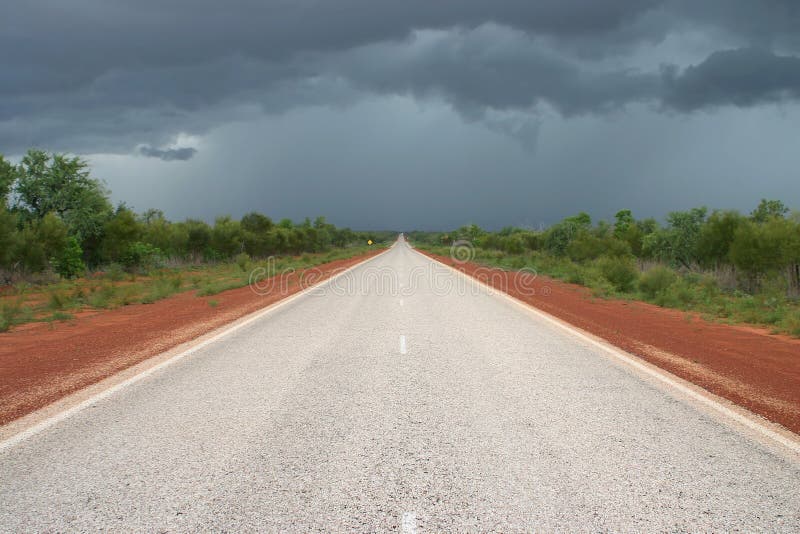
(92, 75)
(131, 78)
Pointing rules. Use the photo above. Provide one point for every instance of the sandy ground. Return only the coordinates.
(41, 363)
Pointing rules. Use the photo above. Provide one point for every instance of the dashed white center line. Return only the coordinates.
(409, 523)
(402, 344)
(401, 302)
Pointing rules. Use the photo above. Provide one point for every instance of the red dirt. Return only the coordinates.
(41, 363)
(746, 365)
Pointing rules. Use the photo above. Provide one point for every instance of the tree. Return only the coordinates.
(623, 221)
(769, 209)
(7, 177)
(758, 249)
(121, 231)
(256, 223)
(69, 262)
(226, 237)
(8, 228)
(51, 234)
(56, 183)
(198, 236)
(677, 243)
(560, 235)
(716, 235)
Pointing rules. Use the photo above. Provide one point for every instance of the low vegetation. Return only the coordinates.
(724, 265)
(64, 247)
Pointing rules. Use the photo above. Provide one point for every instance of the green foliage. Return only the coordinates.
(198, 236)
(716, 236)
(69, 262)
(677, 243)
(243, 261)
(762, 250)
(7, 177)
(587, 246)
(11, 312)
(758, 249)
(623, 222)
(656, 281)
(121, 231)
(769, 209)
(560, 235)
(227, 238)
(141, 255)
(55, 183)
(621, 272)
(115, 272)
(7, 238)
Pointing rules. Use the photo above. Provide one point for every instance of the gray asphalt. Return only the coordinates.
(312, 418)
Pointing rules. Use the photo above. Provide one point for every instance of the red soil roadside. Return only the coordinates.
(41, 363)
(745, 365)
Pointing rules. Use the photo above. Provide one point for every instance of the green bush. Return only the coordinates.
(622, 273)
(656, 281)
(10, 313)
(69, 263)
(243, 261)
(140, 254)
(680, 295)
(115, 272)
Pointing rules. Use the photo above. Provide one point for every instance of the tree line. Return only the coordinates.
(745, 249)
(54, 216)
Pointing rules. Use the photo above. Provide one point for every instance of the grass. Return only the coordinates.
(113, 288)
(691, 292)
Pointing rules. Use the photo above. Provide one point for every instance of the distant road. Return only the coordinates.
(371, 406)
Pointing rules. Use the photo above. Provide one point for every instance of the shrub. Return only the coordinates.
(680, 295)
(9, 313)
(69, 263)
(621, 272)
(58, 300)
(243, 261)
(115, 272)
(140, 254)
(656, 281)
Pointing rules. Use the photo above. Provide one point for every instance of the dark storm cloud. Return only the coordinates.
(168, 154)
(743, 77)
(94, 76)
(491, 67)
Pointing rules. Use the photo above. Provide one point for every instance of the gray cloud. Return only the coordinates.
(743, 77)
(142, 72)
(491, 67)
(106, 78)
(168, 154)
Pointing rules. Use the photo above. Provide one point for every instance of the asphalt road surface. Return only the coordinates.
(398, 399)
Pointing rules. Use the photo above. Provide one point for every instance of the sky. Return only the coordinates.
(413, 114)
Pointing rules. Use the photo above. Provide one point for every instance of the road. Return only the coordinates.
(396, 401)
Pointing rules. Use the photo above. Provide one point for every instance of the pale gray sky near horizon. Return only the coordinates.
(416, 114)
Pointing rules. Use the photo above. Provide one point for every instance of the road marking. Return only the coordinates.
(409, 523)
(401, 303)
(727, 409)
(224, 331)
(402, 344)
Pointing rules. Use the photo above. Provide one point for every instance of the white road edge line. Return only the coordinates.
(635, 362)
(408, 524)
(247, 320)
(402, 344)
